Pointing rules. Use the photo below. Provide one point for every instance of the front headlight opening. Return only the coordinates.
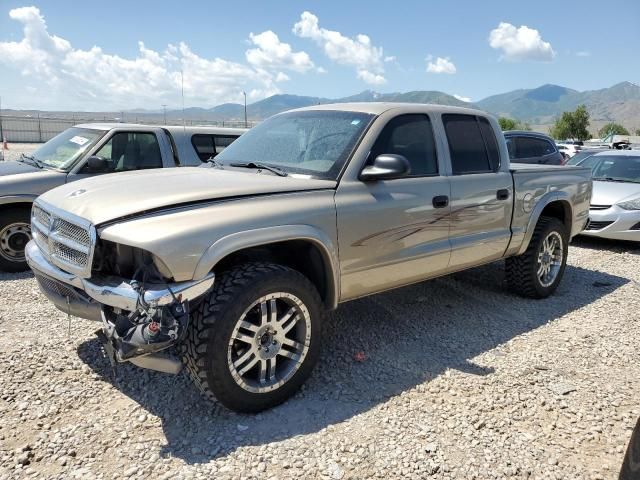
(630, 204)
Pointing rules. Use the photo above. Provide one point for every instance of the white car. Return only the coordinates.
(615, 203)
(568, 150)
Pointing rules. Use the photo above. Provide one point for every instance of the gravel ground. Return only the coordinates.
(15, 149)
(452, 378)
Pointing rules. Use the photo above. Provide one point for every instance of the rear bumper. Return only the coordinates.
(84, 298)
(614, 223)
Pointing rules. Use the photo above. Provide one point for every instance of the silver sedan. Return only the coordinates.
(615, 203)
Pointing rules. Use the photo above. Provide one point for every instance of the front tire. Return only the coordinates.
(538, 271)
(15, 233)
(255, 338)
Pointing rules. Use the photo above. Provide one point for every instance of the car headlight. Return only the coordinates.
(630, 204)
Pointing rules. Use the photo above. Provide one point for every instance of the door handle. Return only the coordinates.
(502, 194)
(440, 201)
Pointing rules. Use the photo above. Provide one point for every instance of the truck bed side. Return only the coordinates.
(564, 190)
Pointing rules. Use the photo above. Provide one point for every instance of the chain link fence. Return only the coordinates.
(38, 129)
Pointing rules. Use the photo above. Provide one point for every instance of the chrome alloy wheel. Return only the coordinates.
(550, 258)
(269, 342)
(13, 239)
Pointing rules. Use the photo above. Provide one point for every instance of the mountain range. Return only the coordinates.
(537, 106)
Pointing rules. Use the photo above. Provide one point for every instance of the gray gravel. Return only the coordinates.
(452, 378)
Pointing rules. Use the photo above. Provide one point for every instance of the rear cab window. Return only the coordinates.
(207, 146)
(473, 147)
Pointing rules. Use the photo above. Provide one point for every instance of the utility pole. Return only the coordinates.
(164, 110)
(1, 131)
(245, 108)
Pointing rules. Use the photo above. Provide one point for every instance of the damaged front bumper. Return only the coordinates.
(85, 298)
(138, 321)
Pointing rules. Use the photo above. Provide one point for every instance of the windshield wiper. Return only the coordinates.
(31, 160)
(214, 162)
(609, 179)
(260, 166)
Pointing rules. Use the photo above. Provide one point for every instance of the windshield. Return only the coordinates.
(580, 156)
(312, 143)
(623, 168)
(64, 149)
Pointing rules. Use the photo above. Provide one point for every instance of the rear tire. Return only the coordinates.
(538, 271)
(15, 232)
(241, 347)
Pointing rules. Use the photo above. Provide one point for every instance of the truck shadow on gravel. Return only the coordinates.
(407, 338)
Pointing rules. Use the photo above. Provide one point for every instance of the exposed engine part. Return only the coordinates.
(149, 329)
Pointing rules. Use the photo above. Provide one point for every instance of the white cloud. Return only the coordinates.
(282, 77)
(95, 79)
(357, 52)
(390, 58)
(272, 53)
(441, 65)
(521, 43)
(462, 99)
(583, 53)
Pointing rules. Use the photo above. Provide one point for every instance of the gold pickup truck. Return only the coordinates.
(237, 262)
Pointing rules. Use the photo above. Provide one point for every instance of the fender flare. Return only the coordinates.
(9, 199)
(235, 242)
(547, 198)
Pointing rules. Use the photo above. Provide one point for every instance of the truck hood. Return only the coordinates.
(15, 168)
(610, 193)
(17, 178)
(108, 197)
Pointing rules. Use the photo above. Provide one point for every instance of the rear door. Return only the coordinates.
(481, 192)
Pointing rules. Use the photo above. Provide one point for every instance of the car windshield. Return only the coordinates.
(612, 168)
(64, 149)
(310, 143)
(580, 156)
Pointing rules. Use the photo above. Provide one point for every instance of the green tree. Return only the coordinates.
(612, 128)
(572, 125)
(511, 124)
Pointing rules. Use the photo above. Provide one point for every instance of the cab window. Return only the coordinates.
(411, 136)
(131, 151)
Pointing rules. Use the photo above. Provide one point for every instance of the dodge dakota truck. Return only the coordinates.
(235, 265)
(86, 150)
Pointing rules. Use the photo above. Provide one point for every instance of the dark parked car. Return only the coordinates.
(532, 147)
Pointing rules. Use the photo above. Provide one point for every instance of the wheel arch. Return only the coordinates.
(19, 201)
(556, 205)
(301, 247)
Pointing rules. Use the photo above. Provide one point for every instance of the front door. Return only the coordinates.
(395, 232)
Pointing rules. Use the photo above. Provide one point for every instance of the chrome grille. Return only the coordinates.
(73, 232)
(599, 207)
(68, 254)
(67, 241)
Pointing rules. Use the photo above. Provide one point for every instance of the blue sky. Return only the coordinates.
(89, 56)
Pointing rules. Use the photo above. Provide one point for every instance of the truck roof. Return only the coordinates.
(172, 128)
(377, 108)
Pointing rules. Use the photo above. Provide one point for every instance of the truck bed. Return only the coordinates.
(535, 183)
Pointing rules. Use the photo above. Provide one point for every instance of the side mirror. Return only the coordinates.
(386, 167)
(97, 164)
